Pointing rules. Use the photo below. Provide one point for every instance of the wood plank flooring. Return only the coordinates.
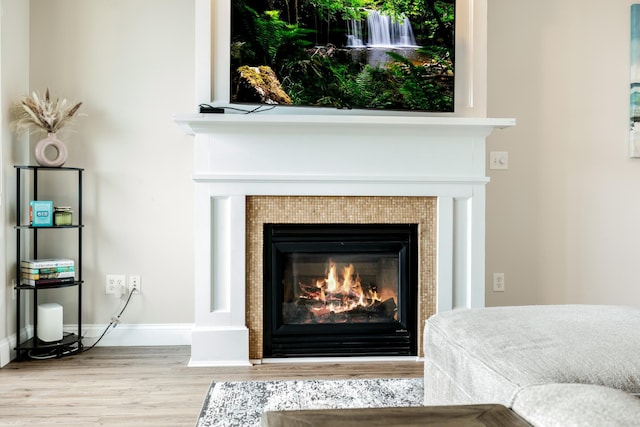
(142, 386)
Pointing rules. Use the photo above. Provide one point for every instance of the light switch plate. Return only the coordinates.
(499, 160)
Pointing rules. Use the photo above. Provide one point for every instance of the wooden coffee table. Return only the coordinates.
(459, 416)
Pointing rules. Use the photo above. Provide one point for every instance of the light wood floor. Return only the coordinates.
(142, 386)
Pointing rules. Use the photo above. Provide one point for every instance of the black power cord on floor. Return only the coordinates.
(114, 322)
(77, 347)
(55, 352)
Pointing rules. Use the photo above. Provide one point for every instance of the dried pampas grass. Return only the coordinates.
(42, 113)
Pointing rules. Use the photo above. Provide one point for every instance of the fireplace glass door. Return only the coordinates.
(340, 290)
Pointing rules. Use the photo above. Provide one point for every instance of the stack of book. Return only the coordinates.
(42, 272)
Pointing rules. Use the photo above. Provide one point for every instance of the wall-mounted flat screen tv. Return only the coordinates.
(355, 54)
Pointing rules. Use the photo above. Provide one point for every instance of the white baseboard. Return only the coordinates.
(122, 336)
(132, 335)
(8, 345)
(6, 351)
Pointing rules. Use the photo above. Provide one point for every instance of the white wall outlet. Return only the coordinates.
(115, 284)
(135, 285)
(498, 282)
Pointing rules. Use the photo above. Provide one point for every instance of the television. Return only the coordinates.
(394, 55)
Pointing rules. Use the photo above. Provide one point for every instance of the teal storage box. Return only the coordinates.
(41, 213)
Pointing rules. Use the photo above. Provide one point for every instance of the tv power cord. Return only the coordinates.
(210, 109)
(55, 352)
(77, 347)
(114, 322)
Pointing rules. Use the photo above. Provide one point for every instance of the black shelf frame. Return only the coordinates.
(70, 343)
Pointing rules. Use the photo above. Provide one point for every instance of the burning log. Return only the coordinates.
(385, 308)
(389, 307)
(379, 311)
(308, 289)
(335, 299)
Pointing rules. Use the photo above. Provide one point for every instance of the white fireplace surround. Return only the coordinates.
(313, 155)
(331, 153)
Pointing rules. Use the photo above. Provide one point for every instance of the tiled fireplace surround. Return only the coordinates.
(336, 210)
(395, 164)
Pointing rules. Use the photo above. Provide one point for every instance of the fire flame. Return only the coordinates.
(343, 293)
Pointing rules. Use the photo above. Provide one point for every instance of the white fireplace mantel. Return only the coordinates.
(329, 155)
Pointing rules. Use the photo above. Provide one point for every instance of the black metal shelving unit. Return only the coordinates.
(71, 342)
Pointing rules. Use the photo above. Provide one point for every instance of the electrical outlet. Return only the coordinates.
(498, 282)
(135, 285)
(115, 284)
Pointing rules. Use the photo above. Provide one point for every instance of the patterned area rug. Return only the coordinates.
(241, 403)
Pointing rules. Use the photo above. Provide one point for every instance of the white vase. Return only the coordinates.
(40, 151)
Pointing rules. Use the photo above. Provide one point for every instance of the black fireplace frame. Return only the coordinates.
(395, 338)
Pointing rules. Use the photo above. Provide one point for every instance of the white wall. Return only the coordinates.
(14, 81)
(132, 64)
(561, 223)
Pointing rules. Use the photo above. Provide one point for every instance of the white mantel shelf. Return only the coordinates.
(210, 123)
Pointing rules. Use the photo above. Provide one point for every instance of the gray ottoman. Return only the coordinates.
(489, 355)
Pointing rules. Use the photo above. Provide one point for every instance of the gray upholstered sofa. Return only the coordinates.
(562, 365)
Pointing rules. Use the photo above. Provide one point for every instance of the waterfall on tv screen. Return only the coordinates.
(382, 30)
(344, 54)
(385, 31)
